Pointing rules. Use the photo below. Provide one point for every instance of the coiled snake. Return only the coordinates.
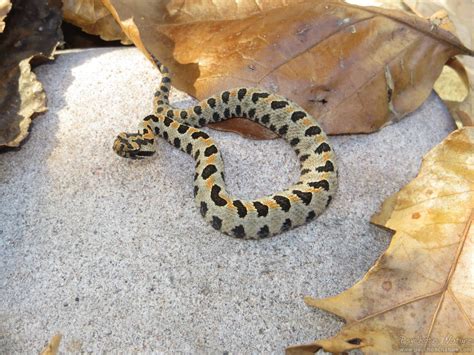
(262, 217)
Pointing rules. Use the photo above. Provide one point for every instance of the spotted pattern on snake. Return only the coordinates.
(247, 219)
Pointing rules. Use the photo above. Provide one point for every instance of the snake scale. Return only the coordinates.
(260, 218)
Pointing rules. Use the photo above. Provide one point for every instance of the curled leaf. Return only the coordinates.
(419, 296)
(456, 84)
(33, 29)
(94, 18)
(356, 69)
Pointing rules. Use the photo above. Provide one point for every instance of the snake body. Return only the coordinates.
(253, 219)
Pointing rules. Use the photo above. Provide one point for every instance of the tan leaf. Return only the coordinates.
(5, 6)
(419, 296)
(456, 84)
(92, 17)
(53, 346)
(355, 68)
(32, 33)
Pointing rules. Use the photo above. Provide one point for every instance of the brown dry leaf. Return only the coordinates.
(53, 346)
(355, 68)
(456, 84)
(5, 6)
(419, 296)
(33, 29)
(94, 18)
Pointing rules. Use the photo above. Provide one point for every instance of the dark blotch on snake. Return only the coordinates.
(262, 210)
(312, 131)
(275, 105)
(294, 141)
(286, 225)
(238, 110)
(199, 134)
(167, 121)
(197, 110)
(328, 201)
(241, 210)
(311, 215)
(305, 197)
(208, 171)
(210, 150)
(177, 143)
(225, 97)
(257, 95)
(304, 157)
(324, 184)
(183, 128)
(326, 168)
(265, 118)
(283, 130)
(219, 201)
(297, 115)
(241, 93)
(216, 222)
(264, 232)
(189, 148)
(283, 202)
(323, 147)
(203, 209)
(211, 102)
(239, 231)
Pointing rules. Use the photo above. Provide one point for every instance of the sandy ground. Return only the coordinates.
(114, 255)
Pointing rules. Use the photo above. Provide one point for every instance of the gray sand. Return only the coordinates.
(114, 255)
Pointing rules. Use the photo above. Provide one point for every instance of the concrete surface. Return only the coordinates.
(114, 255)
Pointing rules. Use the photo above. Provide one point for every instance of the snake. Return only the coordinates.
(245, 219)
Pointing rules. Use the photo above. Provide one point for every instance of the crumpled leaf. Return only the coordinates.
(456, 84)
(419, 296)
(355, 68)
(92, 17)
(5, 6)
(33, 30)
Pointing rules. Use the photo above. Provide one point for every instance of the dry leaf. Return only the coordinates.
(387, 4)
(456, 85)
(355, 68)
(92, 17)
(33, 30)
(53, 346)
(5, 6)
(419, 296)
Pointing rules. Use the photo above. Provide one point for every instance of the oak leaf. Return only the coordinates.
(419, 296)
(356, 69)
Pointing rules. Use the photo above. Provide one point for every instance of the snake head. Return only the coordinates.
(133, 145)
